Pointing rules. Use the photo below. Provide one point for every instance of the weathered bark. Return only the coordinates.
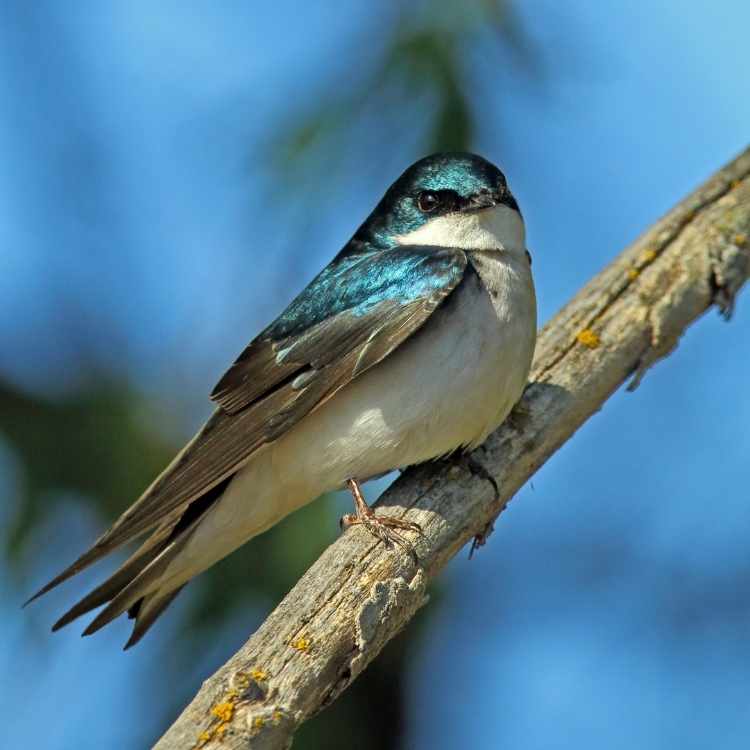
(358, 595)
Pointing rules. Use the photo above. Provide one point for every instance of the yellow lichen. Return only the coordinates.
(277, 716)
(223, 711)
(740, 240)
(259, 722)
(648, 256)
(259, 675)
(300, 644)
(633, 273)
(588, 338)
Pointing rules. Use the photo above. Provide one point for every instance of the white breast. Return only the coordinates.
(446, 387)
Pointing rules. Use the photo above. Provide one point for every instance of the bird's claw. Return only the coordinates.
(385, 528)
(481, 538)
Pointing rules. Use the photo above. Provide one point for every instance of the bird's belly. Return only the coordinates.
(447, 387)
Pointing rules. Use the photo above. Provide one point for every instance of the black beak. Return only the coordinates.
(487, 199)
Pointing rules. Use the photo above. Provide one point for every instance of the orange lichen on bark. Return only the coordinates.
(301, 644)
(588, 338)
(224, 711)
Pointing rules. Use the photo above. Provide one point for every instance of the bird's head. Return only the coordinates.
(448, 200)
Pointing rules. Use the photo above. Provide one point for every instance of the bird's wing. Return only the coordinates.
(353, 300)
(352, 315)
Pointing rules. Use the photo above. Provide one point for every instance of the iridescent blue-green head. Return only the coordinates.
(450, 200)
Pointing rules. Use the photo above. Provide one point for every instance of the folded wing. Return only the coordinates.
(352, 315)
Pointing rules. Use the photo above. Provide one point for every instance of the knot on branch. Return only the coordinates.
(390, 606)
(730, 269)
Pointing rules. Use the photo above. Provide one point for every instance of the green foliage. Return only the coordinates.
(425, 59)
(94, 444)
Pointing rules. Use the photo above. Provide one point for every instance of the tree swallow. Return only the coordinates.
(414, 341)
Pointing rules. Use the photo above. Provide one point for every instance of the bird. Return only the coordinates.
(413, 343)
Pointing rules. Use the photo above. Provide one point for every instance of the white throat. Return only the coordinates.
(496, 228)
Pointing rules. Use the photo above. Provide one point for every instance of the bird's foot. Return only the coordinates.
(479, 470)
(476, 468)
(386, 528)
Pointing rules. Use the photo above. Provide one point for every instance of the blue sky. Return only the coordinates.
(612, 605)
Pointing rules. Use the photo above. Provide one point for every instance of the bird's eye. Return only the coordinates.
(428, 201)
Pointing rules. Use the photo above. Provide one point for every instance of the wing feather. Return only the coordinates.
(316, 347)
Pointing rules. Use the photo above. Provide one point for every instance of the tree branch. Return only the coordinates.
(358, 595)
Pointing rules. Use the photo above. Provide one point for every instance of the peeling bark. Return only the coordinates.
(358, 595)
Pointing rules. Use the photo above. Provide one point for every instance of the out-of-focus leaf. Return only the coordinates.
(94, 444)
(424, 58)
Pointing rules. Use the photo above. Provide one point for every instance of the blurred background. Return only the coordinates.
(174, 173)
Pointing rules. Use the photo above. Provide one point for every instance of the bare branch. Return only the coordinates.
(358, 595)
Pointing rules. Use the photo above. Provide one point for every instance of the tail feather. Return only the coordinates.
(146, 582)
(137, 586)
(102, 547)
(145, 554)
(123, 530)
(148, 610)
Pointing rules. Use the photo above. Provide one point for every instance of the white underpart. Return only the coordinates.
(449, 385)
